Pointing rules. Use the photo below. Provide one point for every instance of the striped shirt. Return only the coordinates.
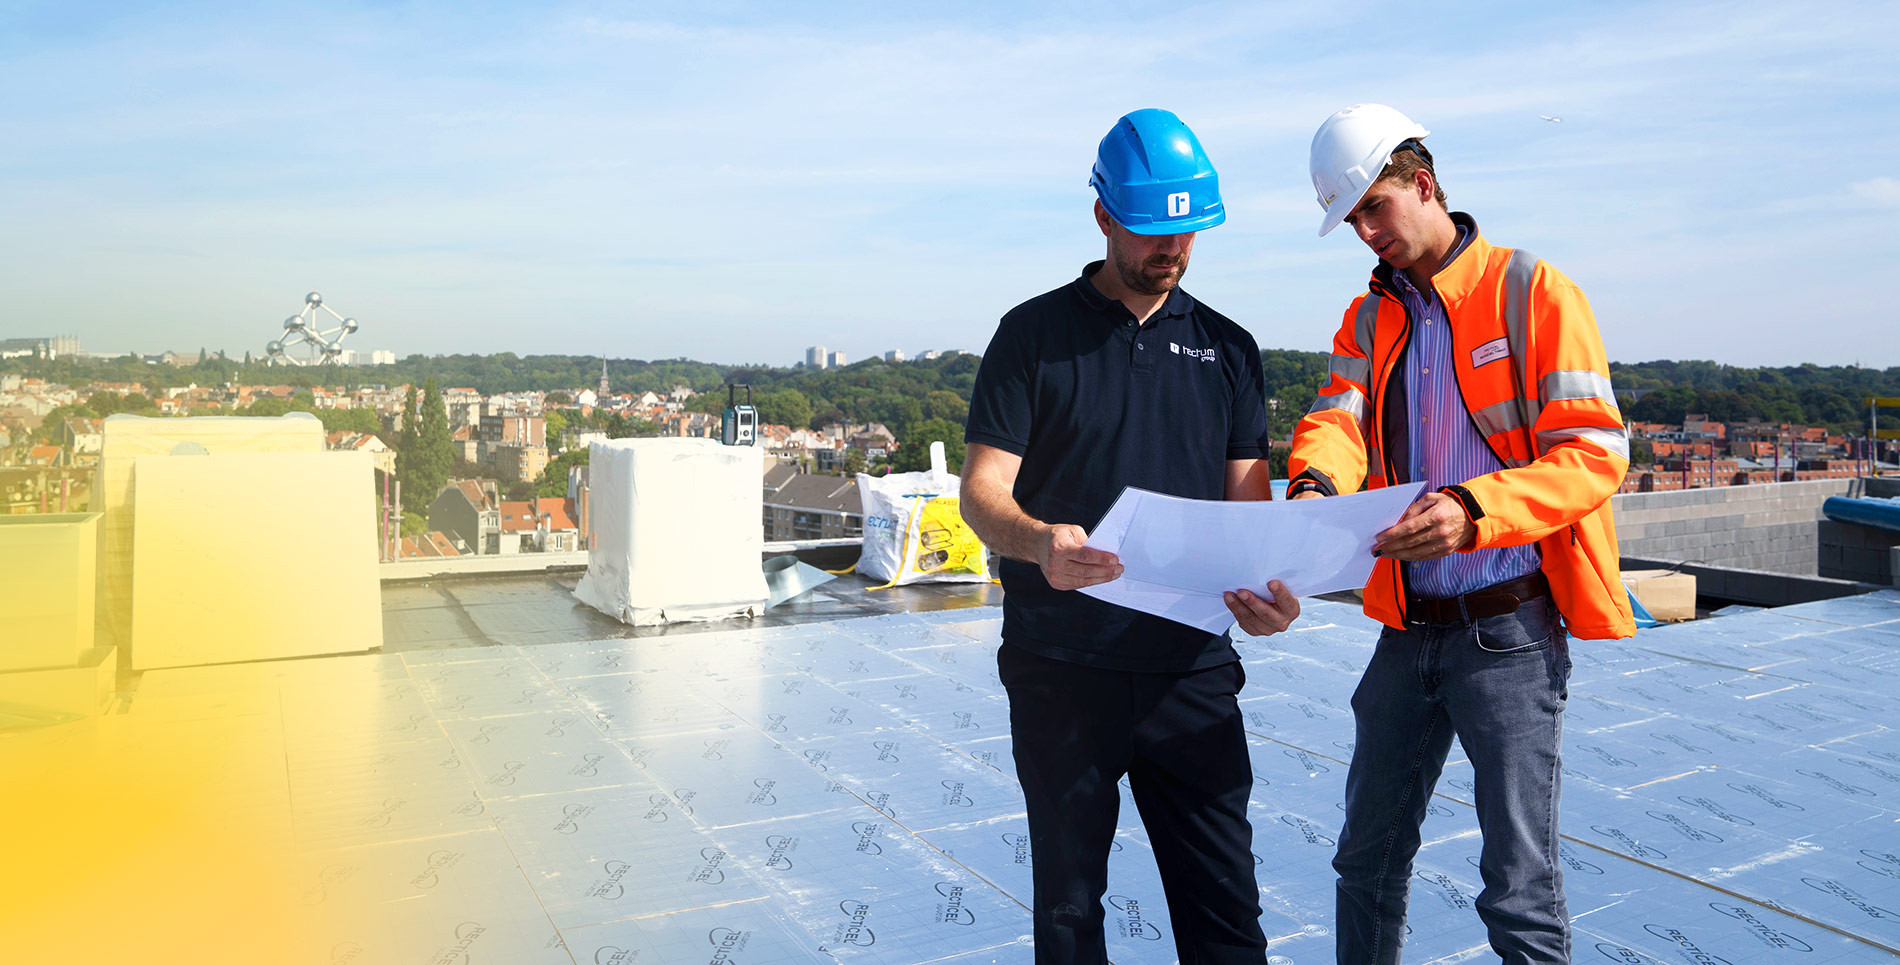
(1446, 447)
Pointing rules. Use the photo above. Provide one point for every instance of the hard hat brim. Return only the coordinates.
(1184, 226)
(1338, 212)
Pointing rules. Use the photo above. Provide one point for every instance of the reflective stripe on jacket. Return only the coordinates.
(1535, 379)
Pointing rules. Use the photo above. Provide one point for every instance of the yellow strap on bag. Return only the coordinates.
(937, 540)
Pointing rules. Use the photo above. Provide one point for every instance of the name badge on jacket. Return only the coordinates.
(1490, 352)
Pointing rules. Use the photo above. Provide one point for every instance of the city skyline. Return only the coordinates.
(737, 184)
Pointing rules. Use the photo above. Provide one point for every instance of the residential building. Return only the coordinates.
(466, 448)
(894, 355)
(795, 445)
(580, 437)
(835, 360)
(875, 439)
(815, 357)
(469, 512)
(517, 526)
(518, 463)
(464, 405)
(82, 437)
(514, 430)
(381, 455)
(542, 525)
(805, 506)
(692, 425)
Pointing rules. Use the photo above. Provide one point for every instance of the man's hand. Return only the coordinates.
(1308, 494)
(1264, 618)
(1434, 526)
(1068, 564)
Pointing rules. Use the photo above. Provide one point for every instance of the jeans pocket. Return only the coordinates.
(1527, 630)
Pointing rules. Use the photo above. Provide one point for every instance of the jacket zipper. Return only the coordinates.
(1378, 405)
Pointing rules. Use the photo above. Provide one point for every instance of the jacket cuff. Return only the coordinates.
(1472, 510)
(1319, 480)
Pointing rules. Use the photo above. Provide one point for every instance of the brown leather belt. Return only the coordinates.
(1495, 600)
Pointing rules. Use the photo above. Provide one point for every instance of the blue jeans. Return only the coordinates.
(1498, 683)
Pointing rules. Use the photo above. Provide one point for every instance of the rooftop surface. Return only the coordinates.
(519, 779)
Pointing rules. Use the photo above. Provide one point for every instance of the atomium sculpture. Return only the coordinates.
(303, 343)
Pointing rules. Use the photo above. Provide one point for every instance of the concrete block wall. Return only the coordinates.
(1850, 551)
(1768, 527)
(1884, 487)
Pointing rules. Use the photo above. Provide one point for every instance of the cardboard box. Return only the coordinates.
(1669, 595)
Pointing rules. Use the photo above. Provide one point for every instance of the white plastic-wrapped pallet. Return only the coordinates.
(914, 531)
(675, 530)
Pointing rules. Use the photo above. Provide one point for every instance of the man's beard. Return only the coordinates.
(1156, 276)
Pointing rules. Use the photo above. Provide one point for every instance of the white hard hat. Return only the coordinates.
(1350, 150)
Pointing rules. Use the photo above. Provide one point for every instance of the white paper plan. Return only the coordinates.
(1180, 555)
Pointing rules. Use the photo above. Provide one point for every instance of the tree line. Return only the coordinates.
(919, 397)
(1831, 396)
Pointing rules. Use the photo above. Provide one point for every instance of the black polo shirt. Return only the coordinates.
(1093, 402)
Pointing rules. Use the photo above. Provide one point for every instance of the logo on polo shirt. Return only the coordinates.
(1204, 354)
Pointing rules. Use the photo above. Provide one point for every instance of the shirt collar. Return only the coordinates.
(1178, 302)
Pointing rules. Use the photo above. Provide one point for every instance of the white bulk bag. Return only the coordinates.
(914, 531)
(675, 530)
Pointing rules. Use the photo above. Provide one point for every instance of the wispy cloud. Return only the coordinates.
(1882, 190)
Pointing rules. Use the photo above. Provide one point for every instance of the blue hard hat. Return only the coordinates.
(1153, 177)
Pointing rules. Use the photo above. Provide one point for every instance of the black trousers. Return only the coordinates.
(1178, 737)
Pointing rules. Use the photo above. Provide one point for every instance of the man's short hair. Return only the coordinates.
(1405, 164)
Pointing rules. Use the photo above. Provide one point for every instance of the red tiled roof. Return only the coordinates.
(560, 513)
(516, 516)
(473, 490)
(429, 544)
(520, 515)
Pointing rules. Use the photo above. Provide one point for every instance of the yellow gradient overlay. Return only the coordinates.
(130, 839)
(214, 819)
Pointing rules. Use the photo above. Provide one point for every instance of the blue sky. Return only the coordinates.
(733, 182)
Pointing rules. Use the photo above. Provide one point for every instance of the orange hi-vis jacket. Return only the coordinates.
(1535, 379)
